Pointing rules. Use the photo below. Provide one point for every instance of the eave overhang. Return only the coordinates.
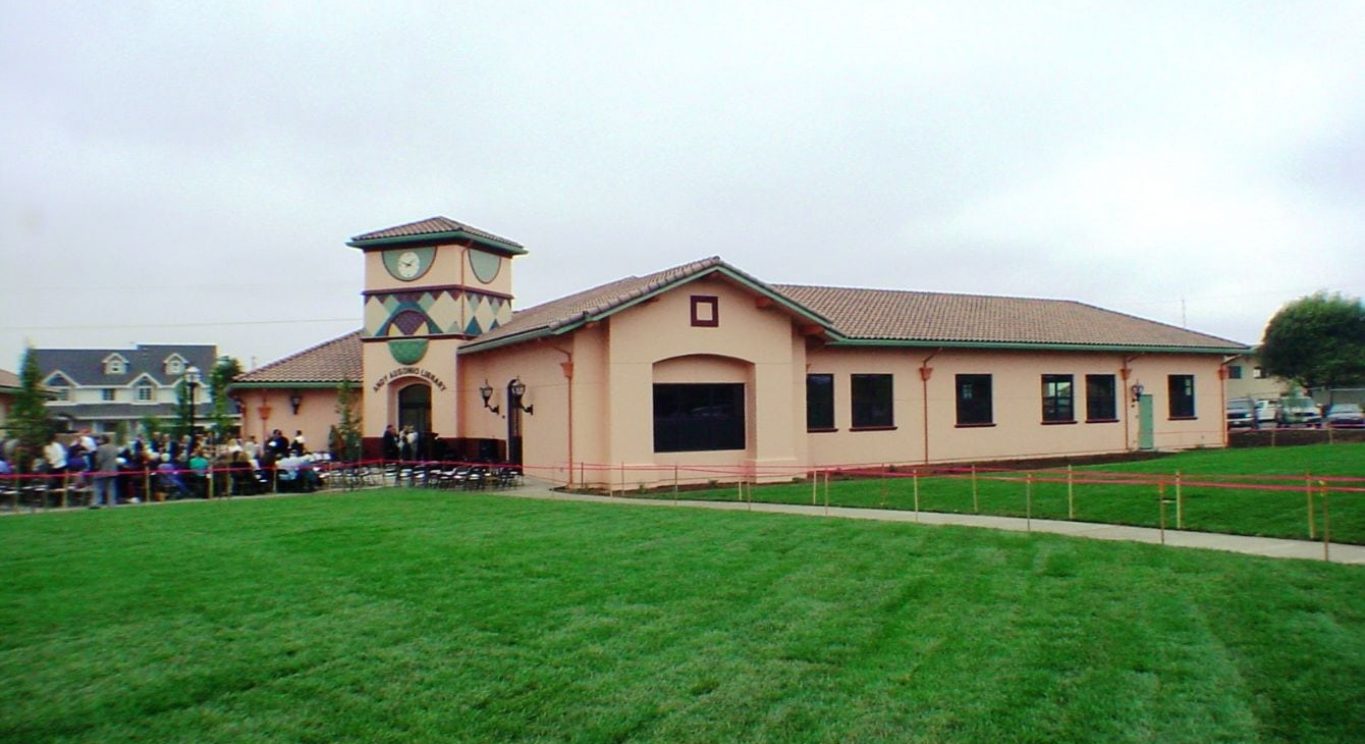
(439, 238)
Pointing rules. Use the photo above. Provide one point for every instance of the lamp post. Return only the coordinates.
(192, 379)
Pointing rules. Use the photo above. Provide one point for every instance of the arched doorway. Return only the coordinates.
(414, 407)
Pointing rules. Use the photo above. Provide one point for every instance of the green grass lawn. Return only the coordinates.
(1282, 513)
(415, 615)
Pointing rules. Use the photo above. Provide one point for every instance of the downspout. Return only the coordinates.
(1123, 394)
(925, 372)
(567, 366)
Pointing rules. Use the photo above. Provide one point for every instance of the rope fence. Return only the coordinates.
(1279, 505)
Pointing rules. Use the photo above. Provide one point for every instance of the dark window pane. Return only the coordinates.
(974, 399)
(819, 401)
(1181, 393)
(872, 402)
(698, 417)
(1059, 401)
(1101, 403)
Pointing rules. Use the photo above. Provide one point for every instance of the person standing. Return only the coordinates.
(390, 444)
(106, 473)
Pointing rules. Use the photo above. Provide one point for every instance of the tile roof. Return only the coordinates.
(899, 315)
(86, 366)
(431, 226)
(329, 362)
(8, 379)
(881, 315)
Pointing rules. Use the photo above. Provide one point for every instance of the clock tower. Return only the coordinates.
(429, 287)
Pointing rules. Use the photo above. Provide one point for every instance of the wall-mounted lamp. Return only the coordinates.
(518, 388)
(296, 400)
(486, 391)
(1137, 392)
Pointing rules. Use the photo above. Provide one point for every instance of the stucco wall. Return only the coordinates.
(1018, 429)
(317, 414)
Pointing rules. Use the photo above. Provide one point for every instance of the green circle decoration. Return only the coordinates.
(485, 265)
(408, 350)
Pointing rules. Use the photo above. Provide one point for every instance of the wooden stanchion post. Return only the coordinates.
(1179, 504)
(814, 487)
(883, 488)
(66, 487)
(208, 474)
(675, 484)
(976, 502)
(1161, 507)
(1326, 525)
(1070, 492)
(1028, 502)
(826, 493)
(1308, 489)
(146, 485)
(915, 478)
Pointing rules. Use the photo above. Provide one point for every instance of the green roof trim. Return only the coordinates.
(448, 236)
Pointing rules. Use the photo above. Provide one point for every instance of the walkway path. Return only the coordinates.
(1272, 547)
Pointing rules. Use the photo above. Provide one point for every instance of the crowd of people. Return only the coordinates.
(170, 467)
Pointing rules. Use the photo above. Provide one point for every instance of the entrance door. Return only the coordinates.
(1146, 437)
(414, 407)
(513, 426)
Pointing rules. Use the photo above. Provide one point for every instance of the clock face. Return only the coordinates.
(407, 264)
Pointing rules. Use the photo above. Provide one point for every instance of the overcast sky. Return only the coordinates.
(190, 172)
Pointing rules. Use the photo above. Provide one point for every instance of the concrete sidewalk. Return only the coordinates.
(1271, 547)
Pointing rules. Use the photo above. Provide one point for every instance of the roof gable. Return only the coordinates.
(561, 316)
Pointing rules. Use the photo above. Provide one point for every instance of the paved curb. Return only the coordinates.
(1270, 547)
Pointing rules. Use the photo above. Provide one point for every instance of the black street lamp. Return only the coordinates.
(192, 379)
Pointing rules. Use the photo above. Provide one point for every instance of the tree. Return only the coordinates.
(348, 428)
(1317, 341)
(28, 419)
(225, 370)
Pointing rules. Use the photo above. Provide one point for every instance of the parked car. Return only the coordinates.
(1346, 416)
(1241, 413)
(1300, 412)
(1267, 413)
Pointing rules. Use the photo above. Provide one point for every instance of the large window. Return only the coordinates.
(872, 406)
(1101, 403)
(698, 417)
(1059, 399)
(145, 393)
(819, 402)
(974, 400)
(107, 394)
(1181, 390)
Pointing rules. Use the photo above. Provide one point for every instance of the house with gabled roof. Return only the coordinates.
(98, 389)
(9, 390)
(704, 366)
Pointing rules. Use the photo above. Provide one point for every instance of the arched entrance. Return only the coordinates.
(414, 407)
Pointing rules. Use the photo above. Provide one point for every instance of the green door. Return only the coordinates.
(1146, 438)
